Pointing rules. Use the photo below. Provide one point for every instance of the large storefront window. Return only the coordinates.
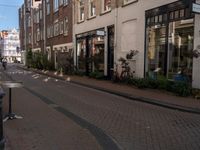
(90, 52)
(156, 48)
(169, 41)
(180, 47)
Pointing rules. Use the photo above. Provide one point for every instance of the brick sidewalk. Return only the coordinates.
(151, 96)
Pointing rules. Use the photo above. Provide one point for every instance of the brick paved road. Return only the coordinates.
(129, 125)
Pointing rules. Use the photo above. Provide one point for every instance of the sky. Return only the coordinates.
(9, 14)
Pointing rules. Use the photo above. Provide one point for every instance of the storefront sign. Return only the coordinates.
(100, 33)
(196, 8)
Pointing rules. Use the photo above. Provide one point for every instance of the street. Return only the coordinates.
(59, 115)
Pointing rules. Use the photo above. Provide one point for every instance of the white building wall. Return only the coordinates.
(10, 44)
(196, 61)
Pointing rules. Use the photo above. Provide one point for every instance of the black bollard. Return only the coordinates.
(2, 140)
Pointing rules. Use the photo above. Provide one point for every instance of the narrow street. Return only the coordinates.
(59, 115)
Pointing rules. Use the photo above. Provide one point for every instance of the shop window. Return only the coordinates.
(174, 57)
(92, 8)
(182, 13)
(176, 14)
(106, 5)
(180, 47)
(38, 34)
(156, 19)
(81, 55)
(160, 18)
(40, 13)
(172, 15)
(96, 45)
(156, 48)
(81, 14)
(29, 21)
(165, 18)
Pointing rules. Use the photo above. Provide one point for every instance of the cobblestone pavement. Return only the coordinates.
(130, 124)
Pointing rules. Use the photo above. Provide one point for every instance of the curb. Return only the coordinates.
(128, 96)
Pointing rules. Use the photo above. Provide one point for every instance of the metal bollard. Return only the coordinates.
(2, 140)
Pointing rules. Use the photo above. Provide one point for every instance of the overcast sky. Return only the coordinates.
(9, 14)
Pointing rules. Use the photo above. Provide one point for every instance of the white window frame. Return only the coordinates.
(103, 6)
(55, 5)
(48, 31)
(81, 16)
(51, 30)
(66, 26)
(29, 21)
(125, 2)
(48, 7)
(61, 27)
(91, 9)
(56, 28)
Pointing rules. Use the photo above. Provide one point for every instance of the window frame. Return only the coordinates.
(55, 5)
(90, 8)
(81, 17)
(126, 2)
(103, 6)
(66, 26)
(48, 7)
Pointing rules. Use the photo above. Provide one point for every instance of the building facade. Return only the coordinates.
(165, 33)
(94, 35)
(10, 45)
(46, 27)
(99, 32)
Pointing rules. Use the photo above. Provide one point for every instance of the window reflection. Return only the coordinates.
(180, 47)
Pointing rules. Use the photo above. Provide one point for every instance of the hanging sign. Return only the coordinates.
(100, 33)
(196, 8)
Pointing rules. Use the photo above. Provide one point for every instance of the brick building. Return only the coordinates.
(46, 27)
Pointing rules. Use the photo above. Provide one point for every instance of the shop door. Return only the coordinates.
(110, 64)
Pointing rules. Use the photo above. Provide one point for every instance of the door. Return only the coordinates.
(110, 64)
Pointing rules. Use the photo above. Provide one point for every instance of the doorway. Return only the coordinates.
(110, 64)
